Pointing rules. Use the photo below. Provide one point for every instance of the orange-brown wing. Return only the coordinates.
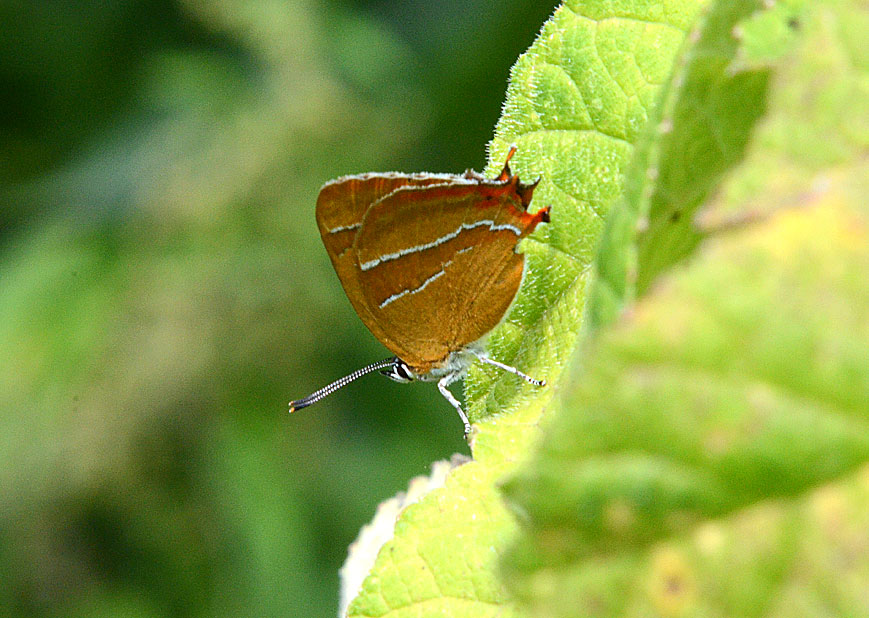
(342, 203)
(341, 206)
(438, 267)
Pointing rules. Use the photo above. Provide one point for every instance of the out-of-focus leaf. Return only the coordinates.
(741, 380)
(709, 457)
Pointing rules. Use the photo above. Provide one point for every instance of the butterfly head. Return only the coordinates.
(399, 371)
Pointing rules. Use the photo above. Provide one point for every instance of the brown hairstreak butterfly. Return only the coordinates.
(429, 263)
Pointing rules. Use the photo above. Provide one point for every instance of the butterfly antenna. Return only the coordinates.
(316, 396)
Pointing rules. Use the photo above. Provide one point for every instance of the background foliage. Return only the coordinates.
(164, 292)
(163, 289)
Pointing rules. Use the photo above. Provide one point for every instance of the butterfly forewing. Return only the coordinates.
(341, 206)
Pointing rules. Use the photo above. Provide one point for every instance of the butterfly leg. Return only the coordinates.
(442, 387)
(512, 370)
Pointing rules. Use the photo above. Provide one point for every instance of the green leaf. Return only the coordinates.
(697, 133)
(576, 103)
(710, 455)
(707, 413)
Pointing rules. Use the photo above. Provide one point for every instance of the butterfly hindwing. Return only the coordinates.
(428, 261)
(438, 266)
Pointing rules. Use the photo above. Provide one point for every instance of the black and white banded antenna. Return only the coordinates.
(324, 392)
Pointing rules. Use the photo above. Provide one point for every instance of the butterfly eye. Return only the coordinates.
(399, 371)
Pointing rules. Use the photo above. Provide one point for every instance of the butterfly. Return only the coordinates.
(429, 263)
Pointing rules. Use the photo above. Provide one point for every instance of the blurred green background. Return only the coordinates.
(164, 292)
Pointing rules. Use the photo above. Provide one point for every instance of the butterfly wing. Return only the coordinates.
(341, 206)
(437, 266)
